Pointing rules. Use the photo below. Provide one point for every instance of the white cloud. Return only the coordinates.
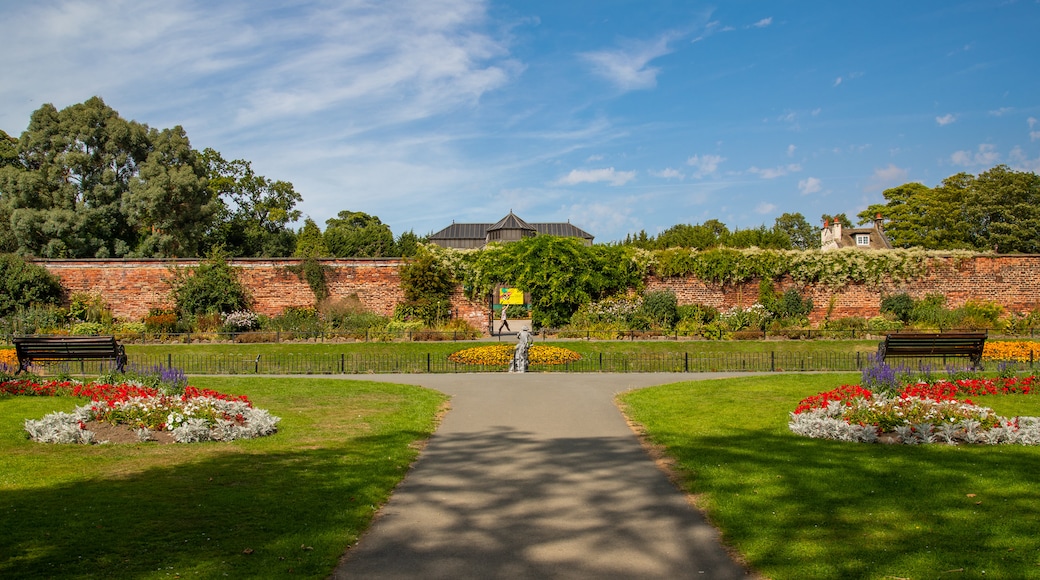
(763, 23)
(1001, 111)
(774, 172)
(986, 154)
(885, 177)
(1020, 162)
(809, 185)
(790, 150)
(705, 164)
(945, 120)
(627, 67)
(765, 207)
(1033, 135)
(609, 175)
(837, 82)
(669, 173)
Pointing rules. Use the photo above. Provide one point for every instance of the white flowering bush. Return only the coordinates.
(240, 321)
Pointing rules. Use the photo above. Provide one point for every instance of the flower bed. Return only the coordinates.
(149, 413)
(502, 354)
(1011, 350)
(939, 412)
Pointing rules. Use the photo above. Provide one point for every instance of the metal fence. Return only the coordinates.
(688, 362)
(355, 363)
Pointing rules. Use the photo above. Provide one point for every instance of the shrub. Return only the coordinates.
(847, 323)
(211, 287)
(899, 305)
(240, 321)
(883, 324)
(350, 315)
(23, 284)
(427, 284)
(87, 329)
(698, 313)
(661, 308)
(161, 321)
(298, 318)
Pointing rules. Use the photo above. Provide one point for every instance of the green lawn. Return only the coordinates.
(800, 508)
(284, 505)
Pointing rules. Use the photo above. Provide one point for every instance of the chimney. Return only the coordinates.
(879, 223)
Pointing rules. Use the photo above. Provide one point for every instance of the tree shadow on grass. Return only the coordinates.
(799, 507)
(242, 513)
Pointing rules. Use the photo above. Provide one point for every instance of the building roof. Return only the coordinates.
(510, 222)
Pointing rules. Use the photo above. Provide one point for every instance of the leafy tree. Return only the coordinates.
(310, 242)
(168, 201)
(710, 234)
(759, 237)
(64, 195)
(255, 212)
(23, 284)
(408, 244)
(802, 235)
(997, 210)
(355, 234)
(560, 273)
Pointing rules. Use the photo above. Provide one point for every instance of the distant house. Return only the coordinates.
(508, 229)
(833, 236)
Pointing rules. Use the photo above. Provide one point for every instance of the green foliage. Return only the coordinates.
(254, 211)
(998, 210)
(315, 273)
(23, 284)
(427, 284)
(801, 235)
(87, 329)
(310, 242)
(355, 234)
(350, 315)
(661, 308)
(899, 305)
(560, 273)
(297, 318)
(89, 307)
(210, 288)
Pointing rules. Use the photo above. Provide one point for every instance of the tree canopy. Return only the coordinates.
(998, 210)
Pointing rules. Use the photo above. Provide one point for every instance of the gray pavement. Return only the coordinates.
(537, 476)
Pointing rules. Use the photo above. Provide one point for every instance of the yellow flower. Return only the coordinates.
(9, 357)
(501, 354)
(1016, 350)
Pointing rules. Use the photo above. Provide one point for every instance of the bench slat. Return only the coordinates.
(49, 347)
(924, 345)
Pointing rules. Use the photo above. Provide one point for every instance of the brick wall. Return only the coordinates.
(132, 287)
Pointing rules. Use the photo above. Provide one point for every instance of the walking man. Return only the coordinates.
(505, 321)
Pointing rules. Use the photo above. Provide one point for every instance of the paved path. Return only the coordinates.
(537, 476)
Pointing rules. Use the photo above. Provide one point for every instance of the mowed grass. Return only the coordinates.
(798, 508)
(278, 506)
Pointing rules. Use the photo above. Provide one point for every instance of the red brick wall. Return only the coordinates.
(1012, 281)
(132, 287)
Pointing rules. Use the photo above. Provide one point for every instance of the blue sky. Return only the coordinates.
(618, 116)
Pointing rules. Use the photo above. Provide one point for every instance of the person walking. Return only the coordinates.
(505, 321)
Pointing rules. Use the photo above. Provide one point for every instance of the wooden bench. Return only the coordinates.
(933, 345)
(53, 347)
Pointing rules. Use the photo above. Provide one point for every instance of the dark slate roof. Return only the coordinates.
(510, 222)
(462, 232)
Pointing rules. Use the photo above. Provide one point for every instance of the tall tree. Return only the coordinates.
(254, 213)
(355, 234)
(310, 243)
(797, 229)
(64, 196)
(168, 202)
